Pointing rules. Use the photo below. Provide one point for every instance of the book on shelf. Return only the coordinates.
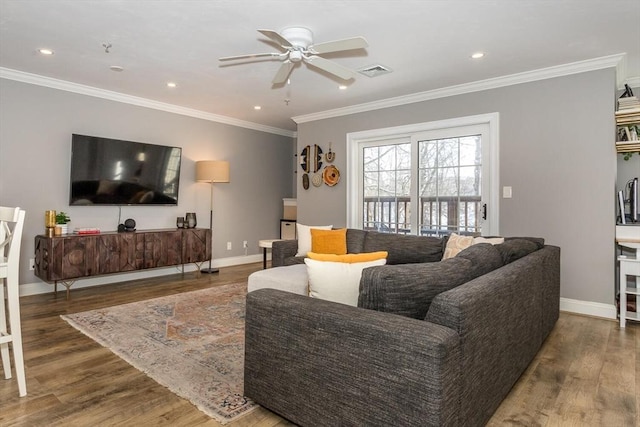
(627, 111)
(628, 102)
(86, 231)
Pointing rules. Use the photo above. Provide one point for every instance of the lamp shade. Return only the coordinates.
(212, 171)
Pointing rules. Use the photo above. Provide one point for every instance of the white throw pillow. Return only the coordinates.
(491, 240)
(456, 244)
(337, 281)
(304, 237)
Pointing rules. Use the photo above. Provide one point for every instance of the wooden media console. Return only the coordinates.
(67, 258)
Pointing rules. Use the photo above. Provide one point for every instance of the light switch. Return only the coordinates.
(506, 192)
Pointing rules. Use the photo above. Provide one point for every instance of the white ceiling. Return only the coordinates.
(427, 43)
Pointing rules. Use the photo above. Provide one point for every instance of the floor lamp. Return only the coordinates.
(212, 171)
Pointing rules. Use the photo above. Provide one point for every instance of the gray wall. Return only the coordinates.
(556, 151)
(36, 124)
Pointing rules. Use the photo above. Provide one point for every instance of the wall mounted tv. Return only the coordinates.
(113, 172)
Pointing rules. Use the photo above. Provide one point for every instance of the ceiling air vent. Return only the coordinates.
(374, 70)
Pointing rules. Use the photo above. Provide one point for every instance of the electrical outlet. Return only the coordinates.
(228, 246)
(245, 244)
(32, 264)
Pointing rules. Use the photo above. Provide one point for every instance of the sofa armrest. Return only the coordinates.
(321, 363)
(281, 250)
(504, 316)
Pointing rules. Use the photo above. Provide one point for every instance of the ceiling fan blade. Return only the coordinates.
(252, 55)
(331, 67)
(273, 35)
(283, 73)
(340, 45)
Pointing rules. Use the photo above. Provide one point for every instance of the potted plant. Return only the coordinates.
(62, 220)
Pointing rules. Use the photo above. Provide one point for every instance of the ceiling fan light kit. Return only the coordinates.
(297, 45)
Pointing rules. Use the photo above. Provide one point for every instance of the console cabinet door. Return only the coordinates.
(72, 257)
(115, 253)
(162, 249)
(43, 257)
(196, 245)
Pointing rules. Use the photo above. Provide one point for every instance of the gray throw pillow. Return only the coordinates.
(484, 258)
(513, 249)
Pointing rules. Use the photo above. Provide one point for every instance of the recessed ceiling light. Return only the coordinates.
(477, 55)
(116, 68)
(342, 87)
(257, 107)
(45, 51)
(171, 84)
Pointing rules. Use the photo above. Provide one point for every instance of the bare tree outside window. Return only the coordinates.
(449, 186)
(387, 188)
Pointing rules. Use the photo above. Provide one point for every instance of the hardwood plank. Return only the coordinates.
(586, 373)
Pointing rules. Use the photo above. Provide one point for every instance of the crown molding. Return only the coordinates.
(631, 81)
(35, 79)
(513, 79)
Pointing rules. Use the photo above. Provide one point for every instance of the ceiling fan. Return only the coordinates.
(297, 45)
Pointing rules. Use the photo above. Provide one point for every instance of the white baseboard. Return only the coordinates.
(43, 287)
(596, 309)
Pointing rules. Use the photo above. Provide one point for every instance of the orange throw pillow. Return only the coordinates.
(329, 241)
(349, 258)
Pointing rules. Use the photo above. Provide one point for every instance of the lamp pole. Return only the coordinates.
(210, 270)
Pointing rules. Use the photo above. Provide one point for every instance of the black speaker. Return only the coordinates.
(129, 225)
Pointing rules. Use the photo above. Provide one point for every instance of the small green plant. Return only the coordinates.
(62, 218)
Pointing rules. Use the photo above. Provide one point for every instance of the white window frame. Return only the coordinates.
(491, 156)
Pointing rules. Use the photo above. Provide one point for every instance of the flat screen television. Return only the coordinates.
(108, 171)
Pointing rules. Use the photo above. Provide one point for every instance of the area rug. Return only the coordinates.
(192, 343)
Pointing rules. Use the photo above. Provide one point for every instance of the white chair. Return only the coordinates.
(11, 223)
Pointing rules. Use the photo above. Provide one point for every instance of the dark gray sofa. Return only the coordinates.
(420, 350)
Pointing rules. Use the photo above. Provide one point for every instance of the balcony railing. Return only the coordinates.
(437, 215)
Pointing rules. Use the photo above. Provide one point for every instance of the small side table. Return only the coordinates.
(266, 244)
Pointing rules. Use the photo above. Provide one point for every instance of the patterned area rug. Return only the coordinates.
(192, 343)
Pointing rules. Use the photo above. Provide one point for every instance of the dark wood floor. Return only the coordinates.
(587, 373)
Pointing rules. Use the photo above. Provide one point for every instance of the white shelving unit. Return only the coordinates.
(628, 267)
(629, 237)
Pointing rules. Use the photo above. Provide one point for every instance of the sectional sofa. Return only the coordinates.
(431, 343)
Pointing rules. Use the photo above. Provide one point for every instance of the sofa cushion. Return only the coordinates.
(304, 237)
(355, 240)
(513, 249)
(337, 281)
(329, 241)
(290, 278)
(404, 249)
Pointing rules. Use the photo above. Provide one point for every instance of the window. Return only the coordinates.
(387, 187)
(430, 179)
